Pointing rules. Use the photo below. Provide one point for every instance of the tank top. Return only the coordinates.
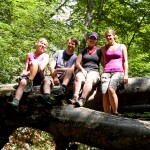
(114, 60)
(91, 62)
(38, 58)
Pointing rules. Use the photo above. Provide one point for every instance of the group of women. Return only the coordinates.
(113, 58)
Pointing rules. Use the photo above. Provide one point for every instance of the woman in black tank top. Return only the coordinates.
(87, 63)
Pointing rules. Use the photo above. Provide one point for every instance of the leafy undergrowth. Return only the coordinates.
(25, 138)
(29, 139)
(142, 116)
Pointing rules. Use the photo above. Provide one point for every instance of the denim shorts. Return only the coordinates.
(111, 79)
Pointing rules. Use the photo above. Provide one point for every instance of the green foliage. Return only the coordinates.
(28, 138)
(140, 65)
(23, 22)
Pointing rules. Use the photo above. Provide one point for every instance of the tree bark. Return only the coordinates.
(67, 123)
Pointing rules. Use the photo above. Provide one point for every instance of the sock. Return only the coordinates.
(46, 94)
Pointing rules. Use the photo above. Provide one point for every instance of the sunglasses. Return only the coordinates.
(108, 35)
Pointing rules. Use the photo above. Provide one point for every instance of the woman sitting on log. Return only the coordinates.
(87, 63)
(115, 71)
(34, 71)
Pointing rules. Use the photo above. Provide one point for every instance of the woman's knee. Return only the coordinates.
(79, 78)
(34, 62)
(23, 83)
(111, 90)
(47, 81)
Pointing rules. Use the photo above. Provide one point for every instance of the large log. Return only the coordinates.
(83, 125)
(134, 98)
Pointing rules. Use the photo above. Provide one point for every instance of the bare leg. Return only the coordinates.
(91, 80)
(113, 99)
(67, 77)
(106, 104)
(47, 86)
(19, 91)
(33, 69)
(79, 80)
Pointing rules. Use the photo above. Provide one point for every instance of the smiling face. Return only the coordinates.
(110, 36)
(41, 44)
(92, 41)
(71, 45)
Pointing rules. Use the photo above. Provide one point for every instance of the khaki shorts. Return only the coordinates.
(114, 80)
(94, 74)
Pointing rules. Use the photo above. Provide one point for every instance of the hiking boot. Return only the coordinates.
(14, 103)
(46, 100)
(80, 102)
(73, 100)
(28, 87)
(62, 91)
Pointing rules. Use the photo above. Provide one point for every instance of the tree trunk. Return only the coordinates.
(67, 123)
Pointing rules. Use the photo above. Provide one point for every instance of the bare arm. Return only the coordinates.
(52, 68)
(79, 66)
(125, 63)
(103, 61)
(25, 72)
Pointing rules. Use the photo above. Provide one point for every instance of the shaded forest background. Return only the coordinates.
(22, 22)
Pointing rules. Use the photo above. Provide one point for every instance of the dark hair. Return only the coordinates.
(74, 40)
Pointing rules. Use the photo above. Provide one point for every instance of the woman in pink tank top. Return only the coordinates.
(115, 71)
(33, 72)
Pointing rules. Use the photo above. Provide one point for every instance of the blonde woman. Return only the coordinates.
(115, 71)
(33, 72)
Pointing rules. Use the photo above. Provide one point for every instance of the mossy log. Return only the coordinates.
(84, 125)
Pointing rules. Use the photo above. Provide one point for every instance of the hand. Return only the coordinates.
(84, 72)
(125, 80)
(54, 74)
(24, 73)
(56, 81)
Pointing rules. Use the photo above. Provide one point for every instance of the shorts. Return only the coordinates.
(111, 79)
(61, 77)
(39, 77)
(94, 74)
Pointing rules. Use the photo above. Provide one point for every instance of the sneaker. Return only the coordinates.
(80, 102)
(28, 87)
(117, 114)
(73, 100)
(14, 103)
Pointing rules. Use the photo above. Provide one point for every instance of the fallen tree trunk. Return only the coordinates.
(134, 98)
(82, 125)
